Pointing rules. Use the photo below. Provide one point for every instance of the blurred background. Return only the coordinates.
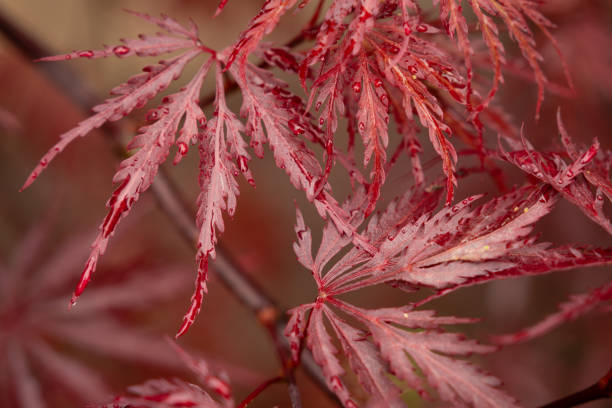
(68, 202)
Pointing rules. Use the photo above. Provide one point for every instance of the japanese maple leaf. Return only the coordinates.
(162, 393)
(585, 182)
(417, 248)
(34, 320)
(576, 306)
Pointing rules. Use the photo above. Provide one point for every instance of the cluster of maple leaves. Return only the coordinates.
(371, 64)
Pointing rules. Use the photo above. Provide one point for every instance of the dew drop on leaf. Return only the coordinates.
(121, 50)
(86, 54)
(152, 115)
(407, 29)
(357, 87)
(183, 148)
(242, 164)
(295, 127)
(421, 28)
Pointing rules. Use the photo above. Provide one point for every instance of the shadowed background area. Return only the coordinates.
(54, 220)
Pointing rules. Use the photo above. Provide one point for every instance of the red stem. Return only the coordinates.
(601, 389)
(259, 390)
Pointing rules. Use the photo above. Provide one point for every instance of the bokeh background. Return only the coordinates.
(69, 201)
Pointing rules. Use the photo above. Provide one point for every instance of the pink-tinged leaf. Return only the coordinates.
(220, 7)
(414, 91)
(144, 45)
(372, 118)
(77, 377)
(217, 383)
(296, 329)
(566, 178)
(536, 261)
(451, 16)
(324, 353)
(263, 23)
(303, 246)
(456, 381)
(490, 34)
(131, 95)
(576, 306)
(25, 385)
(137, 172)
(36, 319)
(330, 31)
(402, 211)
(222, 152)
(108, 338)
(365, 361)
(162, 393)
(455, 245)
(267, 102)
(154, 286)
(598, 169)
(329, 102)
(170, 25)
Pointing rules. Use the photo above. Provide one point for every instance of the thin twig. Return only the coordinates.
(168, 199)
(601, 389)
(249, 398)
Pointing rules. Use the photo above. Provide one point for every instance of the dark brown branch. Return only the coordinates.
(601, 389)
(167, 197)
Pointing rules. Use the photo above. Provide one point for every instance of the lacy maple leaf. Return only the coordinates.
(455, 247)
(34, 321)
(163, 393)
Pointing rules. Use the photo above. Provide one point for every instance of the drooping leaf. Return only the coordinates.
(576, 306)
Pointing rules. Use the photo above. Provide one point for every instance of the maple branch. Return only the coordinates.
(601, 389)
(168, 198)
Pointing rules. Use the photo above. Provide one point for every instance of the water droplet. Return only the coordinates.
(421, 28)
(121, 50)
(86, 54)
(599, 197)
(569, 173)
(361, 126)
(43, 162)
(318, 106)
(378, 82)
(152, 115)
(393, 49)
(321, 121)
(295, 127)
(183, 148)
(412, 69)
(242, 164)
(356, 87)
(383, 99)
(166, 99)
(202, 121)
(407, 29)
(390, 237)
